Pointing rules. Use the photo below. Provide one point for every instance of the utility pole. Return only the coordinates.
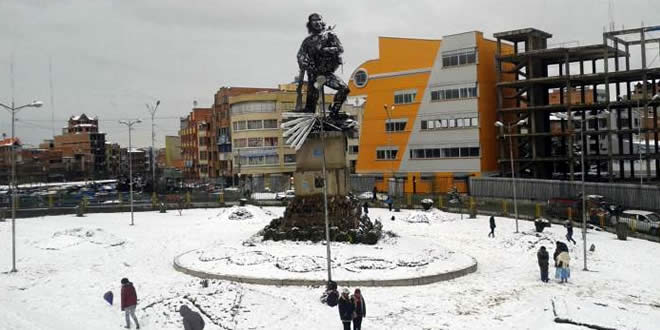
(152, 110)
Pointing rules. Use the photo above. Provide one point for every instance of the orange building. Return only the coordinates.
(82, 146)
(429, 113)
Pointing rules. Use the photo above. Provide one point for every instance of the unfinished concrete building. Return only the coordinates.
(528, 75)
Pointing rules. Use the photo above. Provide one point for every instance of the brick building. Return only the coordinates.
(82, 147)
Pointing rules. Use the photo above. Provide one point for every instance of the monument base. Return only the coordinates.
(304, 220)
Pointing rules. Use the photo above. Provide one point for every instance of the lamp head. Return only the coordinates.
(36, 104)
(499, 124)
(656, 97)
(521, 122)
(158, 103)
(138, 121)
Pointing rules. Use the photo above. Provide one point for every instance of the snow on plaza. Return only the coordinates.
(66, 263)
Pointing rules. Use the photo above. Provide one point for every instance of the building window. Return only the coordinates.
(290, 158)
(272, 159)
(386, 153)
(203, 155)
(438, 153)
(395, 125)
(255, 160)
(255, 142)
(270, 141)
(270, 123)
(353, 149)
(240, 143)
(255, 124)
(404, 97)
(240, 125)
(459, 57)
(361, 78)
(448, 94)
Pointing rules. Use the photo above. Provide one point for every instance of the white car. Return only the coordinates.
(643, 221)
(286, 195)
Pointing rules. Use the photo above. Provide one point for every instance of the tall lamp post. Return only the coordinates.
(583, 127)
(513, 172)
(13, 186)
(152, 111)
(388, 154)
(639, 134)
(129, 124)
(319, 84)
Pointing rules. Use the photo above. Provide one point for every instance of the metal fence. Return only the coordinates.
(633, 196)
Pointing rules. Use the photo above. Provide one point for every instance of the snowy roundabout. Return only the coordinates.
(395, 261)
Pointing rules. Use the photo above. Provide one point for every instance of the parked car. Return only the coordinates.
(642, 221)
(286, 195)
(598, 207)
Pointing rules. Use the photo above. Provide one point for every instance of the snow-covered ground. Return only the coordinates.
(66, 263)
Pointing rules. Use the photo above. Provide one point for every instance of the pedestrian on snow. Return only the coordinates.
(563, 261)
(569, 232)
(346, 309)
(373, 194)
(543, 259)
(389, 203)
(492, 226)
(191, 320)
(365, 206)
(559, 248)
(360, 309)
(129, 302)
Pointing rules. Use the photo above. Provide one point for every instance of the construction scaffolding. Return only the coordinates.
(605, 127)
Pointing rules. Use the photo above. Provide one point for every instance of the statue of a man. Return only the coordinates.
(320, 55)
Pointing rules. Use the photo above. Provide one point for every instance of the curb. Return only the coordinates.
(413, 281)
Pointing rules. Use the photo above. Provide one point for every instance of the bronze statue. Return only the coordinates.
(320, 55)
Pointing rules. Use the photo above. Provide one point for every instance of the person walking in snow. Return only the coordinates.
(365, 207)
(492, 226)
(569, 232)
(346, 309)
(543, 259)
(129, 302)
(389, 202)
(191, 320)
(360, 309)
(563, 260)
(374, 193)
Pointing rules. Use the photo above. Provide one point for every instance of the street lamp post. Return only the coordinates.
(319, 84)
(639, 134)
(129, 124)
(152, 110)
(388, 153)
(513, 172)
(13, 186)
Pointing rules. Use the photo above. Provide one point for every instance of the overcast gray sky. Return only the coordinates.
(109, 58)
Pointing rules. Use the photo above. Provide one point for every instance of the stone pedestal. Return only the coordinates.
(304, 217)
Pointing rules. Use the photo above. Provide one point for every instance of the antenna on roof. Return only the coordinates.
(610, 14)
(52, 101)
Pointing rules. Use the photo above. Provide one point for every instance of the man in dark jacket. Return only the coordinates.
(365, 207)
(191, 320)
(346, 309)
(569, 232)
(374, 193)
(492, 227)
(543, 258)
(129, 302)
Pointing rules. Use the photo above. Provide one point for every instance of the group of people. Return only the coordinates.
(562, 262)
(352, 309)
(191, 320)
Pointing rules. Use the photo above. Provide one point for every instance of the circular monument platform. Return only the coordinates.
(394, 261)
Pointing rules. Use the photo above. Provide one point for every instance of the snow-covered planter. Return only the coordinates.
(540, 224)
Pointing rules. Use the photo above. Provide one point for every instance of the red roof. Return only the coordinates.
(9, 141)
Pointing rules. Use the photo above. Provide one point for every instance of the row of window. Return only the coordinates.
(256, 142)
(435, 153)
(459, 57)
(453, 93)
(265, 160)
(252, 107)
(255, 124)
(450, 123)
